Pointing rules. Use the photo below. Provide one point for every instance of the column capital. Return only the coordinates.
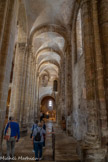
(22, 45)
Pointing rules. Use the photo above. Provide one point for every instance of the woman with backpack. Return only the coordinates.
(38, 140)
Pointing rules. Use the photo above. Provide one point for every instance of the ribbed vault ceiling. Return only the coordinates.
(49, 45)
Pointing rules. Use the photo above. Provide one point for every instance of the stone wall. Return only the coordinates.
(102, 10)
(79, 99)
(89, 114)
(7, 38)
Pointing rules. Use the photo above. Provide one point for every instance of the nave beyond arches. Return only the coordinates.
(63, 40)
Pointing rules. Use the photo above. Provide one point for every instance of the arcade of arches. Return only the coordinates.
(64, 40)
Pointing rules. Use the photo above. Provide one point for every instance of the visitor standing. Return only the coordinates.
(41, 116)
(13, 127)
(38, 141)
(33, 127)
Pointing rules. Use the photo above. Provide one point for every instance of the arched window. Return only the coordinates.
(50, 103)
(79, 35)
(55, 84)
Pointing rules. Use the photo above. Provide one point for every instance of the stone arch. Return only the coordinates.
(48, 107)
(46, 67)
(45, 95)
(49, 27)
(47, 73)
(50, 61)
(49, 50)
(77, 6)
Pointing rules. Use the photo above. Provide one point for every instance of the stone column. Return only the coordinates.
(68, 89)
(103, 29)
(23, 112)
(3, 12)
(99, 73)
(17, 97)
(36, 94)
(7, 38)
(66, 86)
(24, 106)
(35, 111)
(63, 106)
(29, 91)
(68, 81)
(94, 84)
(92, 123)
(59, 99)
(26, 96)
(31, 87)
(35, 115)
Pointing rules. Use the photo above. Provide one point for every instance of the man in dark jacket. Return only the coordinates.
(14, 136)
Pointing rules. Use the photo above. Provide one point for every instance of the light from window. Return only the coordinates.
(79, 34)
(50, 103)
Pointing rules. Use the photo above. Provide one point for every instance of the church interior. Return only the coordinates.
(54, 60)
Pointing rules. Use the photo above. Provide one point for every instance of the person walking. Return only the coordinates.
(41, 116)
(44, 127)
(38, 140)
(33, 127)
(14, 136)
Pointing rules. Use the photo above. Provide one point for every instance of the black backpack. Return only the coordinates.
(38, 136)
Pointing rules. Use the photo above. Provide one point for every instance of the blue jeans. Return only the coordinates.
(38, 149)
(11, 146)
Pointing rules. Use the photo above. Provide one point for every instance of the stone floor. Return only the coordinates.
(65, 147)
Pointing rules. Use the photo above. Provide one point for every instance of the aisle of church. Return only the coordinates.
(54, 65)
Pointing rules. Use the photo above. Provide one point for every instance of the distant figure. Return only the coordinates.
(38, 141)
(44, 127)
(14, 136)
(41, 116)
(47, 115)
(63, 123)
